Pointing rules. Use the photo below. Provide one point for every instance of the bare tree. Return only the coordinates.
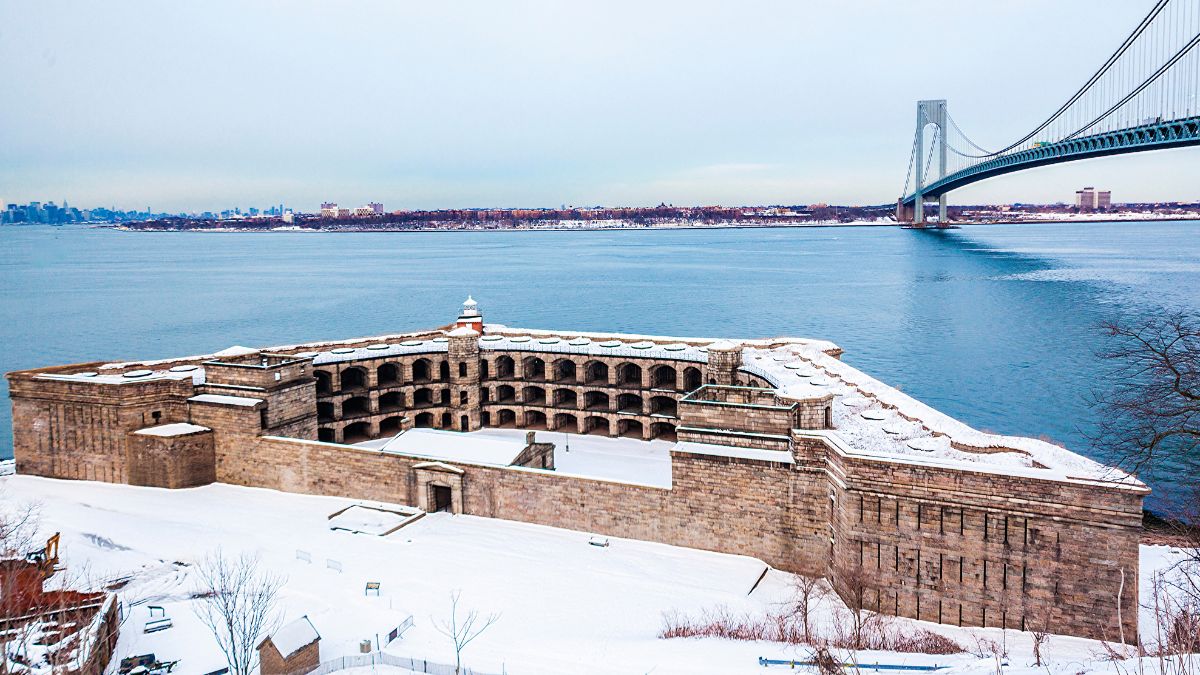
(1151, 410)
(20, 523)
(463, 631)
(237, 603)
(809, 592)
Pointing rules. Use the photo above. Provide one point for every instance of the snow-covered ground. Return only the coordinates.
(566, 606)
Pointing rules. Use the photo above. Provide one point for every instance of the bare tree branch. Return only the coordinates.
(237, 603)
(1150, 402)
(464, 632)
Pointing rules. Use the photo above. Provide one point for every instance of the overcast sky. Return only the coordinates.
(200, 105)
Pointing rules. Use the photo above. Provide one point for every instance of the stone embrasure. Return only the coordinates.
(782, 452)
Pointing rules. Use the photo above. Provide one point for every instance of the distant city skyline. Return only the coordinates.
(537, 104)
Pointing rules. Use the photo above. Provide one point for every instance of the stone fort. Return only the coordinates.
(776, 448)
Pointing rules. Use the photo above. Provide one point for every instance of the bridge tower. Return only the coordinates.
(930, 112)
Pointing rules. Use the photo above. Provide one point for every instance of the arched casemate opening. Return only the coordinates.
(534, 368)
(505, 393)
(566, 398)
(505, 418)
(325, 412)
(353, 378)
(324, 382)
(326, 435)
(629, 403)
(564, 370)
(393, 400)
(390, 426)
(596, 400)
(483, 370)
(445, 420)
(356, 433)
(692, 378)
(566, 423)
(663, 405)
(662, 431)
(629, 428)
(356, 405)
(421, 370)
(629, 375)
(663, 377)
(424, 420)
(444, 371)
(389, 374)
(535, 419)
(505, 367)
(444, 397)
(595, 425)
(533, 396)
(595, 372)
(423, 396)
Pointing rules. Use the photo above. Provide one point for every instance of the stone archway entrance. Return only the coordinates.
(439, 487)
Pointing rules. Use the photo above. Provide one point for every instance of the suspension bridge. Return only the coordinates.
(1144, 97)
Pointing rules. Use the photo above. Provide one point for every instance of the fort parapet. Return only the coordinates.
(779, 450)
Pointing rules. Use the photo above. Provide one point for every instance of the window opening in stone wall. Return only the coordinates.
(462, 368)
(462, 397)
(464, 423)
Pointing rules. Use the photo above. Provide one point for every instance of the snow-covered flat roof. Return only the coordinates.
(222, 399)
(174, 429)
(451, 446)
(874, 419)
(711, 449)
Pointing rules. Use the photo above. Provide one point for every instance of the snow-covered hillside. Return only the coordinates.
(566, 606)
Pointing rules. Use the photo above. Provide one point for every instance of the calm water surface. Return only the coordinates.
(995, 325)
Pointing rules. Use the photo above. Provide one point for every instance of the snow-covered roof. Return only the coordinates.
(450, 446)
(175, 429)
(714, 450)
(236, 350)
(638, 349)
(295, 636)
(221, 399)
(874, 419)
(463, 331)
(195, 374)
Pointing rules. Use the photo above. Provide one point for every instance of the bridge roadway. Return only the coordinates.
(1158, 135)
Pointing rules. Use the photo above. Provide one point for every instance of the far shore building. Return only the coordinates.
(1091, 199)
(772, 448)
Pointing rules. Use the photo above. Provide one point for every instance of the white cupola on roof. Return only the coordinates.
(470, 317)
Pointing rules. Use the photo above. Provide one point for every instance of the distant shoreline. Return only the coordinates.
(233, 229)
(413, 230)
